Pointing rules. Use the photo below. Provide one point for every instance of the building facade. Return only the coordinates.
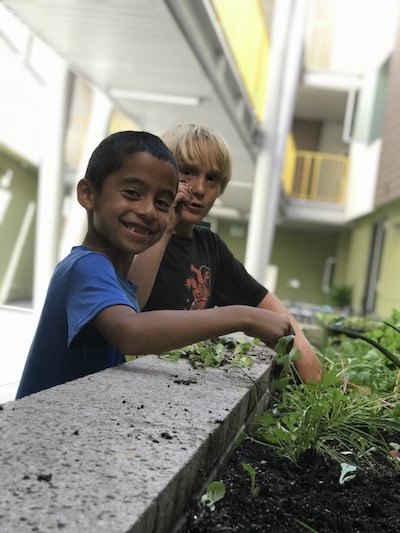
(326, 120)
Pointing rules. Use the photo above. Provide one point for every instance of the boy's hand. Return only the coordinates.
(270, 327)
(183, 197)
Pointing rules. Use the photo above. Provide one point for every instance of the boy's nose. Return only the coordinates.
(146, 208)
(198, 186)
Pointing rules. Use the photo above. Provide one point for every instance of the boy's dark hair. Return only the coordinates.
(111, 153)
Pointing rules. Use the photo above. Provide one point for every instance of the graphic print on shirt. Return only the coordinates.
(199, 283)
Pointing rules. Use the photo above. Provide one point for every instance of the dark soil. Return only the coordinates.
(300, 498)
(296, 498)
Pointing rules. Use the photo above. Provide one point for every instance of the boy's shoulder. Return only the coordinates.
(205, 233)
(84, 256)
(75, 254)
(204, 237)
(89, 270)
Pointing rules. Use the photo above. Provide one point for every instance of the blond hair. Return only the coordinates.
(192, 142)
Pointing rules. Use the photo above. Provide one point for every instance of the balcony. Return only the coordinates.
(315, 186)
(317, 176)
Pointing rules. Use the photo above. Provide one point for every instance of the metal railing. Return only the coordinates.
(316, 176)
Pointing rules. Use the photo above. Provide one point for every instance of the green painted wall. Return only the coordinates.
(388, 293)
(388, 297)
(15, 195)
(357, 261)
(354, 257)
(298, 254)
(302, 255)
(237, 245)
(342, 252)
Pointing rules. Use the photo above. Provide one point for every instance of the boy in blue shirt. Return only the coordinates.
(91, 317)
(191, 265)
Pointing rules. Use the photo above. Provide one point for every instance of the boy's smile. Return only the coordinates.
(130, 213)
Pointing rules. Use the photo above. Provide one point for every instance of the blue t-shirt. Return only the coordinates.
(66, 346)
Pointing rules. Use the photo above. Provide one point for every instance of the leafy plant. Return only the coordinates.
(215, 353)
(255, 489)
(215, 491)
(339, 329)
(322, 417)
(359, 362)
(340, 296)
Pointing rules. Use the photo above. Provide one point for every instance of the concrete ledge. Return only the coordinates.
(124, 449)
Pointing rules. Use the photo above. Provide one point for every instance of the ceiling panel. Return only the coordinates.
(137, 45)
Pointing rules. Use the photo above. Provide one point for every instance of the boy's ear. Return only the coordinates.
(84, 192)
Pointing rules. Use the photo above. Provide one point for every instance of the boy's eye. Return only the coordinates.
(186, 171)
(131, 193)
(163, 204)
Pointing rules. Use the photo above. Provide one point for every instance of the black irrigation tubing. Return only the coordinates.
(395, 360)
(391, 326)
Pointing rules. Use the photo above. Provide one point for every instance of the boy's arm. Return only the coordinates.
(308, 366)
(160, 331)
(144, 268)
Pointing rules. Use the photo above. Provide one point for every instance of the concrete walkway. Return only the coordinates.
(125, 449)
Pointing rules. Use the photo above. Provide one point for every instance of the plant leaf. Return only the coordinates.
(345, 473)
(215, 492)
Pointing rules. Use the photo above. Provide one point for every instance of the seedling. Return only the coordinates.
(255, 489)
(346, 474)
(215, 353)
(215, 492)
(395, 452)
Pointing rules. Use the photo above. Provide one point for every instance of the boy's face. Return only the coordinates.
(130, 213)
(205, 178)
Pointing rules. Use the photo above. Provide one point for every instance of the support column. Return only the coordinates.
(98, 127)
(286, 59)
(50, 186)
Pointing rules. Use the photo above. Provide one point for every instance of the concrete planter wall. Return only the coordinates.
(125, 449)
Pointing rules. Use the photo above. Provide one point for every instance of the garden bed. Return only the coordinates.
(330, 458)
(307, 497)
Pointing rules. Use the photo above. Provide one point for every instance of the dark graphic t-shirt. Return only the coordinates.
(199, 272)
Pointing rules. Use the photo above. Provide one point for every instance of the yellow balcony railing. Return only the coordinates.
(316, 176)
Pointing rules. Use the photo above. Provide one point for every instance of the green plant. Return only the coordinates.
(216, 352)
(359, 358)
(322, 417)
(215, 491)
(338, 329)
(340, 296)
(255, 489)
